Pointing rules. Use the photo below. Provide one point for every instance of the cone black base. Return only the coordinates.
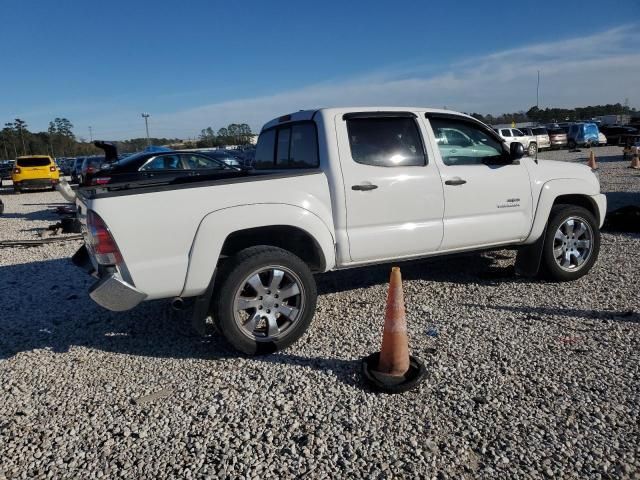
(389, 383)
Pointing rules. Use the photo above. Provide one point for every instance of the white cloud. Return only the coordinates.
(594, 69)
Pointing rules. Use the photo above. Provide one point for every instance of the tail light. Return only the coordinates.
(52, 169)
(101, 242)
(100, 180)
(90, 169)
(16, 170)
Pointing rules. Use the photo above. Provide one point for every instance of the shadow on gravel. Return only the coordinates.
(603, 159)
(537, 313)
(38, 215)
(45, 305)
(616, 200)
(464, 268)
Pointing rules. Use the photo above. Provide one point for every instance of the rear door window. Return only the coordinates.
(33, 162)
(386, 141)
(200, 162)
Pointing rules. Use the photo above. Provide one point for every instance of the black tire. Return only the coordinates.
(571, 145)
(559, 215)
(231, 280)
(16, 190)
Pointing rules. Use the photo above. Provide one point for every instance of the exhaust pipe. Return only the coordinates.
(177, 304)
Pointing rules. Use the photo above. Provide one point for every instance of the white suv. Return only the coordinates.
(541, 135)
(511, 135)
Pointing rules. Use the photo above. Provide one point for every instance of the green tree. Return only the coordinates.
(20, 127)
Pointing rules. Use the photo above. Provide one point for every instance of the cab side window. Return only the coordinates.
(464, 143)
(386, 141)
(505, 132)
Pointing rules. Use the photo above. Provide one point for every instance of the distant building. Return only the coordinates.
(623, 119)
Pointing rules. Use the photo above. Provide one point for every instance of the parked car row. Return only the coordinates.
(561, 135)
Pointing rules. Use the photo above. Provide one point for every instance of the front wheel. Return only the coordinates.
(265, 299)
(572, 243)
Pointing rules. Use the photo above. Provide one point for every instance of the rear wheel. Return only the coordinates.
(572, 243)
(532, 149)
(265, 300)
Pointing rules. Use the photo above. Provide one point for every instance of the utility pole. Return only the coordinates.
(538, 92)
(146, 125)
(90, 134)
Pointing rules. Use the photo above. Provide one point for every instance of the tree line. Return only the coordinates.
(233, 134)
(555, 114)
(59, 140)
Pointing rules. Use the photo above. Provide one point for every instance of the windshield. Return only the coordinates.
(33, 162)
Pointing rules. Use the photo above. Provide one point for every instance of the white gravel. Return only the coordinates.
(527, 379)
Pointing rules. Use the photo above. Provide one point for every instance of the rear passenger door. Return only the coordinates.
(486, 203)
(393, 193)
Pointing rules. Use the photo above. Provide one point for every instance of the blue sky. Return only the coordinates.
(195, 64)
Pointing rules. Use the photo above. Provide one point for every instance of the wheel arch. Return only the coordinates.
(227, 231)
(290, 238)
(580, 200)
(563, 191)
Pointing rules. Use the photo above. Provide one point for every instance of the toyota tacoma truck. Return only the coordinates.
(333, 189)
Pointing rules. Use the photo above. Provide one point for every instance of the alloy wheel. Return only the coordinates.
(572, 244)
(268, 302)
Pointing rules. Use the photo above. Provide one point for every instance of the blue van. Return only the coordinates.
(582, 134)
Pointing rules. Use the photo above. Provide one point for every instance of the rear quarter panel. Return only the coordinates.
(165, 235)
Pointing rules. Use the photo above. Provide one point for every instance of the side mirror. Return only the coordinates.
(516, 151)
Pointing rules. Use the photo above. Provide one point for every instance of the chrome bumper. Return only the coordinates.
(113, 293)
(110, 291)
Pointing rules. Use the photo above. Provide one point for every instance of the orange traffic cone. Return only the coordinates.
(394, 354)
(592, 161)
(393, 370)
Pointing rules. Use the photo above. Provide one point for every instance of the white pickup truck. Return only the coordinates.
(333, 189)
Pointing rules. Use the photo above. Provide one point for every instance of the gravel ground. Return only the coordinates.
(527, 379)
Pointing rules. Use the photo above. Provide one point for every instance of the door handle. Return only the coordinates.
(364, 187)
(455, 181)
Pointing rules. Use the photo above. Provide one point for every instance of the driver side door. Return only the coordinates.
(486, 203)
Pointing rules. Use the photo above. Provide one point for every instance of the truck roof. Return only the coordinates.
(305, 115)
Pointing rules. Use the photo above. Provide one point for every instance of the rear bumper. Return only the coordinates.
(110, 291)
(36, 182)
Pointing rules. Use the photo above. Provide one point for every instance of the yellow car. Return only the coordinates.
(34, 171)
